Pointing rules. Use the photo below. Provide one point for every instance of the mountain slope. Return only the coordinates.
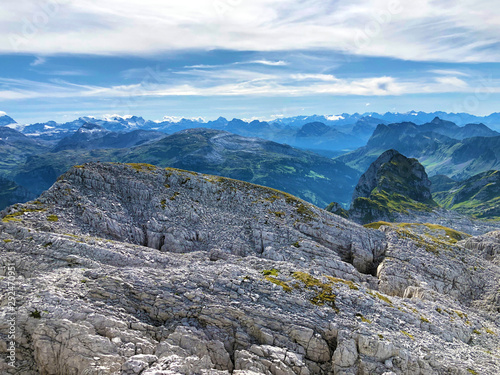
(135, 269)
(11, 193)
(478, 196)
(15, 148)
(392, 184)
(309, 176)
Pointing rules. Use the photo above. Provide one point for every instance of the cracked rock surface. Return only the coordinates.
(132, 269)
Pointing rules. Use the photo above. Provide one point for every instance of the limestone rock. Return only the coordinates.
(112, 276)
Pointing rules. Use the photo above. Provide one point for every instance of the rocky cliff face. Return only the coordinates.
(392, 184)
(132, 269)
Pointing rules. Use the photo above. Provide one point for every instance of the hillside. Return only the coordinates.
(15, 147)
(478, 196)
(309, 176)
(135, 269)
(11, 193)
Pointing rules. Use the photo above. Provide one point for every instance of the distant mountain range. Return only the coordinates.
(340, 132)
(473, 149)
(15, 147)
(93, 136)
(6, 120)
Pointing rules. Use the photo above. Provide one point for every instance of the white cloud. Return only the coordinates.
(435, 30)
(2, 113)
(318, 77)
(241, 82)
(270, 63)
(38, 61)
(446, 72)
(201, 66)
(452, 81)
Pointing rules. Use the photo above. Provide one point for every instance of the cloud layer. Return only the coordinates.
(227, 80)
(429, 30)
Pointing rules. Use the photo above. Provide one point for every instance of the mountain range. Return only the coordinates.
(93, 137)
(344, 132)
(439, 145)
(135, 269)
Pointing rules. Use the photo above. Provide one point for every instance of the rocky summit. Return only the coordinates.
(134, 269)
(392, 184)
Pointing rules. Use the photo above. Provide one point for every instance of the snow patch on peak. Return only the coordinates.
(16, 126)
(2, 113)
(335, 118)
(116, 117)
(176, 119)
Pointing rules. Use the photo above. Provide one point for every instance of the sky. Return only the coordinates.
(262, 59)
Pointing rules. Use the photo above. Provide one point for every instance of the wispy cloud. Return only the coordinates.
(429, 30)
(452, 81)
(235, 82)
(39, 61)
(269, 63)
(449, 72)
(314, 77)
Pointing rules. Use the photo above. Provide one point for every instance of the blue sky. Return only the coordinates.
(61, 59)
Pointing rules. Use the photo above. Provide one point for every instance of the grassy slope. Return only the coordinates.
(478, 196)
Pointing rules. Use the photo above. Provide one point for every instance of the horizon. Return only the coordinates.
(203, 120)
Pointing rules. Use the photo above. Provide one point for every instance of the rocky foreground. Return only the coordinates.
(132, 269)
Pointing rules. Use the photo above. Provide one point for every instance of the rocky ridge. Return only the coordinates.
(133, 269)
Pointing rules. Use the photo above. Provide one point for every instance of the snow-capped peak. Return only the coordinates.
(334, 118)
(176, 119)
(8, 121)
(116, 117)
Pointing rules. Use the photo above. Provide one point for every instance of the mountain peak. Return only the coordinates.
(6, 120)
(314, 129)
(392, 184)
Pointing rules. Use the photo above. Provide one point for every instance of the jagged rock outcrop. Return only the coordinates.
(395, 173)
(132, 269)
(392, 184)
(337, 209)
